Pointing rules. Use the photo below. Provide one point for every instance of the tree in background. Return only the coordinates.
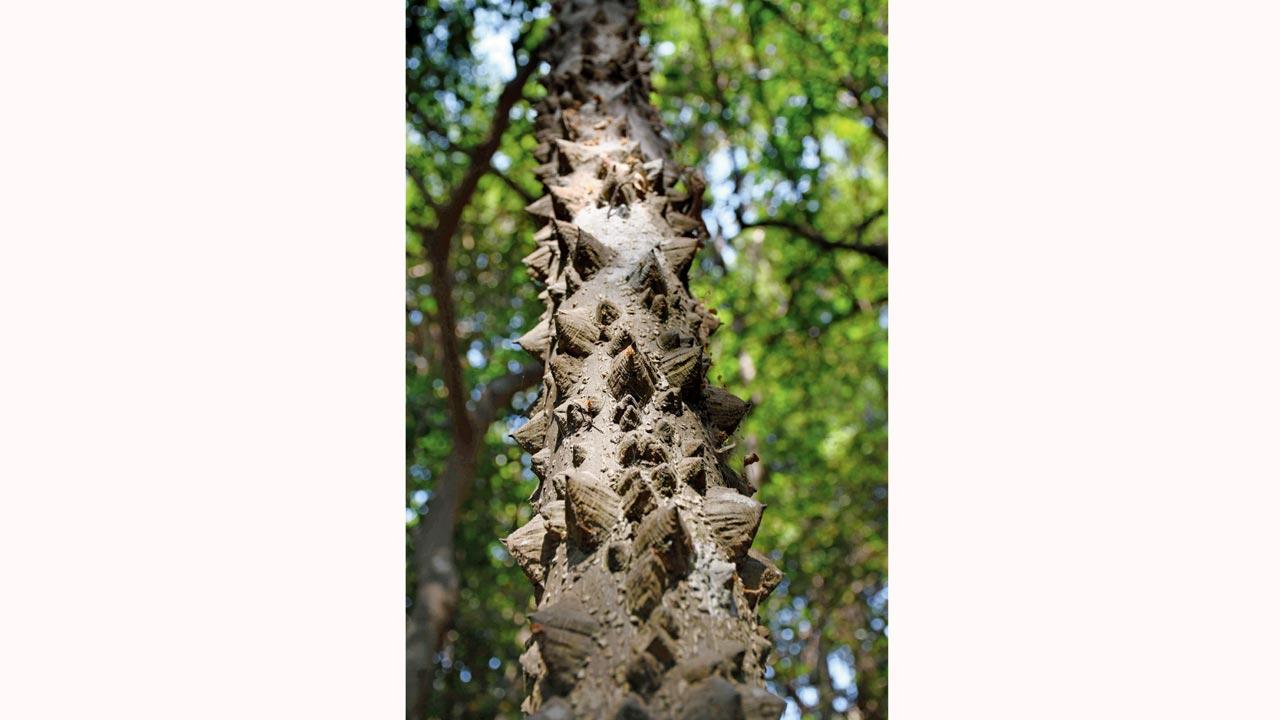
(796, 192)
(434, 564)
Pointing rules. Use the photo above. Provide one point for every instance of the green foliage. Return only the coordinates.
(759, 94)
(773, 101)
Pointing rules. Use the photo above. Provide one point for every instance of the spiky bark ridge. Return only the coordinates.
(639, 552)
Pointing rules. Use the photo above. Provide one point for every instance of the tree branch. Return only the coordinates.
(879, 123)
(450, 355)
(498, 393)
(877, 252)
(439, 239)
(719, 83)
(525, 195)
(426, 126)
(415, 174)
(421, 183)
(481, 156)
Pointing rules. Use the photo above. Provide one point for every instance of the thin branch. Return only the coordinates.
(450, 355)
(438, 242)
(877, 252)
(756, 60)
(719, 83)
(867, 221)
(426, 126)
(420, 182)
(525, 195)
(415, 174)
(482, 155)
(879, 122)
(498, 393)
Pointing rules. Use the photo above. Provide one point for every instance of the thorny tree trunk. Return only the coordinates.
(639, 551)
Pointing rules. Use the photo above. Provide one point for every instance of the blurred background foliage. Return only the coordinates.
(783, 105)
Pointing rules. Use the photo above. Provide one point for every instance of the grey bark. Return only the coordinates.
(639, 551)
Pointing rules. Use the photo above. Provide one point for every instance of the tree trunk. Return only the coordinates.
(436, 596)
(639, 551)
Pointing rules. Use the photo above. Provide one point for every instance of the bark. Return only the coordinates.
(639, 551)
(436, 594)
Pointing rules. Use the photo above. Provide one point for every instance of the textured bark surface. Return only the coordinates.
(640, 549)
